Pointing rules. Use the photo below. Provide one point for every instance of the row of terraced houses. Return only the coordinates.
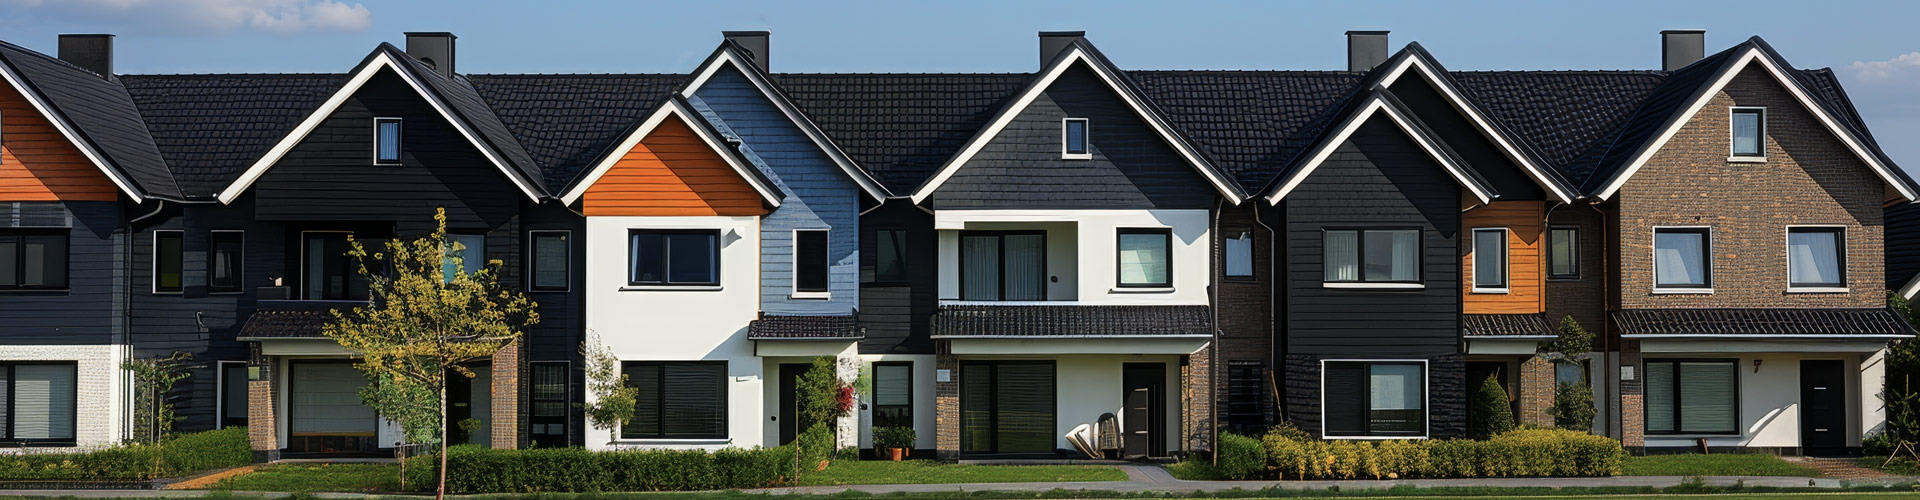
(1157, 255)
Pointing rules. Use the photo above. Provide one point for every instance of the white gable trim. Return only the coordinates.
(69, 131)
(1752, 55)
(670, 108)
(1074, 55)
(1378, 104)
(313, 121)
(1460, 104)
(1913, 286)
(726, 57)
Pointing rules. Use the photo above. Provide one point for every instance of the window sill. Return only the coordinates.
(228, 292)
(1495, 291)
(1376, 286)
(1746, 159)
(671, 288)
(1818, 289)
(1081, 156)
(1141, 289)
(1563, 278)
(810, 295)
(1683, 291)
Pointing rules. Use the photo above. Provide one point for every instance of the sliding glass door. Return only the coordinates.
(1007, 407)
(1003, 265)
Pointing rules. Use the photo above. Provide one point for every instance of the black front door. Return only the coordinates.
(1144, 419)
(1823, 406)
(789, 419)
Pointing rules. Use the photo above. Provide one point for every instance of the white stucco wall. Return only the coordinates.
(1082, 249)
(100, 402)
(1770, 397)
(1087, 386)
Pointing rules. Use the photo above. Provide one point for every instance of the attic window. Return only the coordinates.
(386, 141)
(1073, 139)
(1749, 133)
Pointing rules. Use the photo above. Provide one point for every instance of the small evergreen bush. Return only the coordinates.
(1240, 457)
(1492, 413)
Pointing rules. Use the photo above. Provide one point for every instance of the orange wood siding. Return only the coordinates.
(39, 164)
(671, 172)
(1526, 267)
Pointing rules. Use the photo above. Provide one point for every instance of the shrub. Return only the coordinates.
(184, 455)
(200, 451)
(897, 437)
(815, 446)
(475, 469)
(1240, 457)
(1492, 413)
(1573, 407)
(1522, 453)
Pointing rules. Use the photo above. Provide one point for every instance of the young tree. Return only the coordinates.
(1572, 402)
(428, 318)
(614, 400)
(153, 381)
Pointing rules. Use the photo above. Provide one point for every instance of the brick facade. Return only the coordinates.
(1243, 306)
(1536, 391)
(263, 431)
(1584, 297)
(946, 402)
(1197, 418)
(507, 385)
(1633, 417)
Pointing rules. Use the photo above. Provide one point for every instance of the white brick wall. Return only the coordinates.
(101, 403)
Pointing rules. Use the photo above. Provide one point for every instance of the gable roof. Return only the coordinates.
(1079, 51)
(211, 127)
(565, 122)
(670, 107)
(453, 98)
(900, 127)
(1381, 100)
(730, 54)
(1415, 59)
(95, 114)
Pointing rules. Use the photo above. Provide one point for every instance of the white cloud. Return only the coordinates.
(208, 16)
(1903, 67)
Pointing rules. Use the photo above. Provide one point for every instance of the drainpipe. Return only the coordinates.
(126, 310)
(1273, 299)
(1607, 383)
(1213, 356)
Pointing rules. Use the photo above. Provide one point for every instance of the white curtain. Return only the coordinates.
(1342, 256)
(1490, 258)
(1026, 267)
(1813, 257)
(1143, 259)
(1392, 255)
(389, 140)
(1746, 133)
(981, 256)
(1679, 258)
(1562, 252)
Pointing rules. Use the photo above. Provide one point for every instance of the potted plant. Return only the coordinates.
(896, 440)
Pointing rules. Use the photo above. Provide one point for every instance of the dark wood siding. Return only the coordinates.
(1461, 134)
(896, 315)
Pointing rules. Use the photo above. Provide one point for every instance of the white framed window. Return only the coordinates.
(1075, 141)
(1683, 260)
(1239, 254)
(550, 260)
(1748, 135)
(1490, 260)
(1373, 398)
(1371, 258)
(169, 261)
(811, 264)
(1816, 258)
(386, 141)
(1563, 253)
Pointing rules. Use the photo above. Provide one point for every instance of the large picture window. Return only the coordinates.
(33, 259)
(40, 400)
(1682, 257)
(674, 257)
(677, 400)
(1693, 396)
(892, 394)
(226, 260)
(1817, 257)
(169, 262)
(1003, 265)
(1374, 399)
(1563, 253)
(1145, 258)
(1490, 260)
(1007, 407)
(1372, 255)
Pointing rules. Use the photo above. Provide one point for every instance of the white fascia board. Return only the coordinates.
(820, 140)
(69, 131)
(1806, 101)
(1766, 336)
(1913, 285)
(1460, 104)
(1074, 55)
(1376, 104)
(670, 108)
(319, 116)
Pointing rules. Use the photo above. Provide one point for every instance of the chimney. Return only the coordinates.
(1366, 49)
(757, 45)
(434, 48)
(1678, 48)
(1053, 42)
(91, 52)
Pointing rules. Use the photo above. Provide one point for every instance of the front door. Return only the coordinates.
(470, 399)
(789, 419)
(1823, 406)
(1143, 422)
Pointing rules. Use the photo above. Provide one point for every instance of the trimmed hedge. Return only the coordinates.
(1240, 457)
(475, 469)
(1521, 453)
(183, 455)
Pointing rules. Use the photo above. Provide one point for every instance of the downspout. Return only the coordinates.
(126, 310)
(1273, 299)
(1213, 309)
(1607, 383)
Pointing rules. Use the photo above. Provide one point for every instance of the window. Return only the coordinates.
(1246, 395)
(810, 261)
(1816, 257)
(233, 393)
(1008, 407)
(226, 259)
(1239, 255)
(1003, 265)
(1680, 257)
(890, 256)
(1693, 397)
(892, 394)
(1143, 258)
(466, 254)
(40, 402)
(168, 261)
(1490, 260)
(548, 413)
(674, 257)
(1372, 256)
(386, 142)
(33, 259)
(1073, 139)
(1374, 399)
(677, 400)
(327, 273)
(1749, 132)
(551, 261)
(1563, 253)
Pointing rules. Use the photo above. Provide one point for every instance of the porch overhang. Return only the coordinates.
(1055, 346)
(1834, 330)
(776, 335)
(1506, 334)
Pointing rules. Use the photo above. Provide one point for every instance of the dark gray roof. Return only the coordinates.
(293, 319)
(1507, 325)
(1071, 321)
(474, 111)
(783, 327)
(1763, 322)
(211, 127)
(900, 127)
(102, 113)
(565, 122)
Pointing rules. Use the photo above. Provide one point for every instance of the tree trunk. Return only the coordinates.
(440, 492)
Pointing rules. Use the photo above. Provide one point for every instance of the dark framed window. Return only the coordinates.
(547, 413)
(889, 256)
(233, 393)
(326, 272)
(1374, 399)
(169, 262)
(1074, 139)
(1817, 257)
(1563, 253)
(550, 261)
(1145, 257)
(1693, 396)
(466, 254)
(678, 399)
(893, 394)
(1238, 251)
(1246, 396)
(40, 403)
(33, 259)
(1372, 255)
(810, 260)
(1490, 259)
(1003, 265)
(1007, 407)
(1682, 257)
(1749, 132)
(226, 260)
(674, 257)
(386, 141)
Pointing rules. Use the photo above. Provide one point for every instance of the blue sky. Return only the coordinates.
(1870, 44)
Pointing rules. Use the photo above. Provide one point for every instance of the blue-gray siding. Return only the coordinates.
(90, 311)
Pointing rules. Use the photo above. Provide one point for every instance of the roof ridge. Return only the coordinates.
(575, 75)
(224, 75)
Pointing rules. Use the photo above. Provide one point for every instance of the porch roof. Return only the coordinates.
(1772, 323)
(292, 319)
(798, 327)
(1511, 326)
(1073, 321)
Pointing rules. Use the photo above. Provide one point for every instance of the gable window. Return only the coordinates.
(1817, 258)
(1693, 396)
(675, 257)
(551, 261)
(168, 261)
(465, 254)
(1003, 265)
(1374, 399)
(1563, 253)
(226, 258)
(1680, 258)
(1490, 260)
(33, 259)
(1144, 258)
(386, 141)
(1073, 139)
(890, 256)
(1749, 133)
(39, 402)
(893, 394)
(810, 262)
(1383, 256)
(677, 400)
(1239, 255)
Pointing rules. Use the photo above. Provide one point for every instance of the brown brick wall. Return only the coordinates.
(946, 399)
(1584, 298)
(1536, 391)
(507, 413)
(263, 435)
(1244, 306)
(1633, 417)
(1196, 409)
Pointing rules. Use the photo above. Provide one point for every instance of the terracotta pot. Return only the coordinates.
(898, 453)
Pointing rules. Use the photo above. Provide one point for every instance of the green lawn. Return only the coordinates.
(1193, 470)
(1725, 464)
(316, 477)
(931, 472)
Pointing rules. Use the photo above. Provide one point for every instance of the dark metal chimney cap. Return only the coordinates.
(89, 51)
(757, 44)
(1366, 49)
